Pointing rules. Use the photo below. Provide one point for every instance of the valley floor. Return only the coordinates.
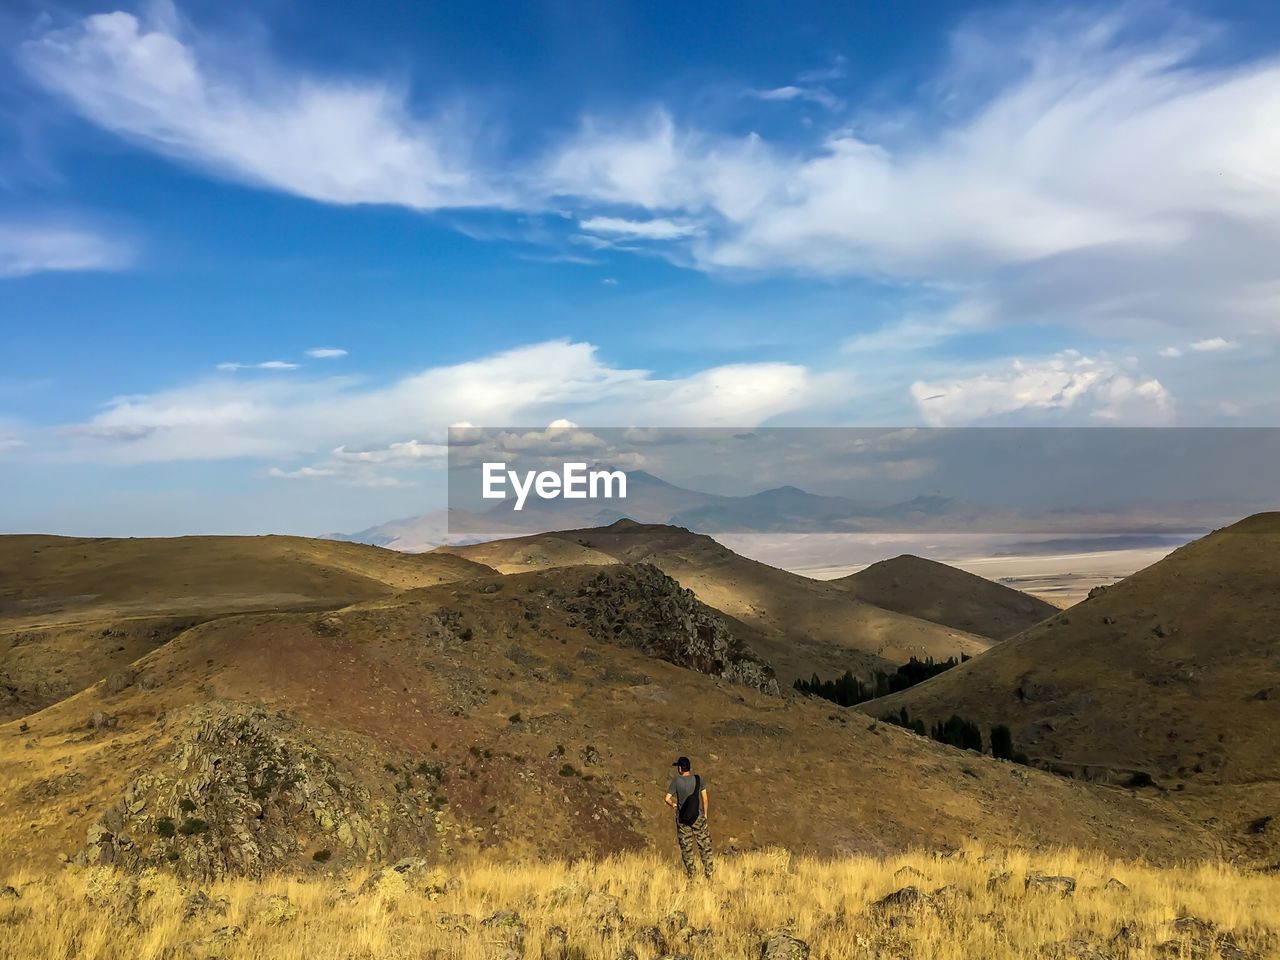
(995, 906)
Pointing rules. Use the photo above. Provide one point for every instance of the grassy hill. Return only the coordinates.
(73, 611)
(801, 626)
(934, 591)
(1171, 676)
(531, 715)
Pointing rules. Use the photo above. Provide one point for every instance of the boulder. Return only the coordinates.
(905, 897)
(1040, 883)
(780, 945)
(271, 909)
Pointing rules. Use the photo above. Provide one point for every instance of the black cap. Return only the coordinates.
(683, 763)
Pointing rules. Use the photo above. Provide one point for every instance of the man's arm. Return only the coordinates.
(704, 803)
(670, 801)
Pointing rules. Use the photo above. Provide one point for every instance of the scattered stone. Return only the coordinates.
(606, 911)
(200, 904)
(1194, 926)
(1075, 949)
(110, 890)
(944, 895)
(780, 945)
(101, 721)
(906, 897)
(694, 937)
(998, 880)
(651, 939)
(907, 871)
(120, 681)
(9, 893)
(1039, 883)
(673, 921)
(1116, 886)
(272, 909)
(394, 881)
(506, 928)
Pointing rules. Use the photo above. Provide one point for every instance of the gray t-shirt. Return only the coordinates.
(682, 789)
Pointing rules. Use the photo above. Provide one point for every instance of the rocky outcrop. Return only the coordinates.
(637, 605)
(242, 792)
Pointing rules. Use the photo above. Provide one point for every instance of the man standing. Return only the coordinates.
(687, 796)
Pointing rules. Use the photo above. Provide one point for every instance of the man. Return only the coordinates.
(687, 796)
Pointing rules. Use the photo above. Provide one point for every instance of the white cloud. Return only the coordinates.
(1213, 345)
(326, 353)
(231, 367)
(656, 229)
(302, 473)
(27, 248)
(1086, 170)
(277, 417)
(405, 450)
(1171, 353)
(335, 140)
(814, 94)
(1065, 174)
(1068, 387)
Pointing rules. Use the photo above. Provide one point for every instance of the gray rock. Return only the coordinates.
(637, 605)
(905, 897)
(200, 904)
(780, 945)
(271, 909)
(1039, 883)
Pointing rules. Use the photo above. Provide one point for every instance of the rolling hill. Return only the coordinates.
(936, 592)
(1171, 677)
(801, 626)
(532, 714)
(74, 610)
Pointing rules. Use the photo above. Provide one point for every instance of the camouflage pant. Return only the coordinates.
(687, 837)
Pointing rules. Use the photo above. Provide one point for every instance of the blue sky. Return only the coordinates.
(254, 259)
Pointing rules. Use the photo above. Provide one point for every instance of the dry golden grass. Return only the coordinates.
(94, 912)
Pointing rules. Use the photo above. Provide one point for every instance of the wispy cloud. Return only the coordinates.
(231, 367)
(813, 94)
(658, 228)
(1214, 345)
(30, 247)
(1079, 169)
(326, 353)
(337, 140)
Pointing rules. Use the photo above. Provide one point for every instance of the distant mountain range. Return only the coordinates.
(786, 509)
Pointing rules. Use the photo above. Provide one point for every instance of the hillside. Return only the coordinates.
(1170, 675)
(936, 592)
(74, 610)
(532, 715)
(801, 626)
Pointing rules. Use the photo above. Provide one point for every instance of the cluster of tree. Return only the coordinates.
(1002, 746)
(903, 719)
(848, 690)
(958, 732)
(961, 733)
